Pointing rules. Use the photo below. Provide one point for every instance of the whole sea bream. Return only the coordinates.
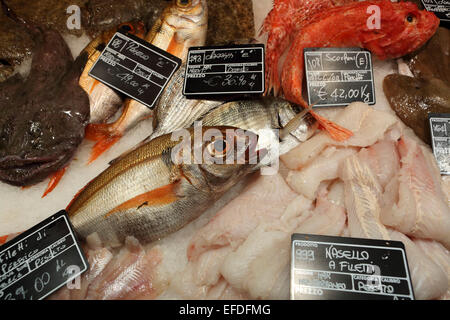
(266, 113)
(104, 101)
(150, 192)
(43, 117)
(182, 25)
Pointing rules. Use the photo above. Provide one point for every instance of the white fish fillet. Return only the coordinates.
(362, 197)
(265, 199)
(265, 254)
(418, 207)
(368, 126)
(438, 253)
(324, 167)
(205, 270)
(383, 159)
(428, 279)
(362, 200)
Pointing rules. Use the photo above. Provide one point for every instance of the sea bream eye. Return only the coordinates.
(218, 148)
(127, 28)
(184, 3)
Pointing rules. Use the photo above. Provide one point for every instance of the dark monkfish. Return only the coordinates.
(43, 117)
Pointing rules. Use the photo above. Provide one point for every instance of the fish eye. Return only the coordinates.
(184, 3)
(410, 18)
(127, 27)
(218, 148)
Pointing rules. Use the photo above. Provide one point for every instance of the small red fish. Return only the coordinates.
(282, 23)
(403, 28)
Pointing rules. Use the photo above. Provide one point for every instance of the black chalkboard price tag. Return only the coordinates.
(41, 260)
(324, 267)
(135, 67)
(441, 8)
(339, 76)
(440, 140)
(217, 71)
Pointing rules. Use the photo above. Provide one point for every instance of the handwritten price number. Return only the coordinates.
(41, 282)
(231, 80)
(20, 293)
(344, 94)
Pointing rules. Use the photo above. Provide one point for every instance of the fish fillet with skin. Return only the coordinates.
(362, 199)
(418, 207)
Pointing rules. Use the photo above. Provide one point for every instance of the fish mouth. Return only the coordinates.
(20, 172)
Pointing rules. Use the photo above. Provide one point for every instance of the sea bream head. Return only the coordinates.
(220, 156)
(396, 29)
(183, 24)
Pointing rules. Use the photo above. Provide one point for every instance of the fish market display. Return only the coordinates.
(419, 208)
(403, 29)
(104, 101)
(413, 98)
(147, 195)
(158, 222)
(43, 116)
(243, 252)
(182, 24)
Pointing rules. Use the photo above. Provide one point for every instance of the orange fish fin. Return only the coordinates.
(54, 180)
(336, 132)
(96, 83)
(101, 146)
(175, 47)
(3, 239)
(162, 195)
(101, 133)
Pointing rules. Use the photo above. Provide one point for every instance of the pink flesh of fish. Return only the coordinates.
(440, 255)
(263, 200)
(362, 198)
(419, 207)
(262, 251)
(325, 167)
(127, 275)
